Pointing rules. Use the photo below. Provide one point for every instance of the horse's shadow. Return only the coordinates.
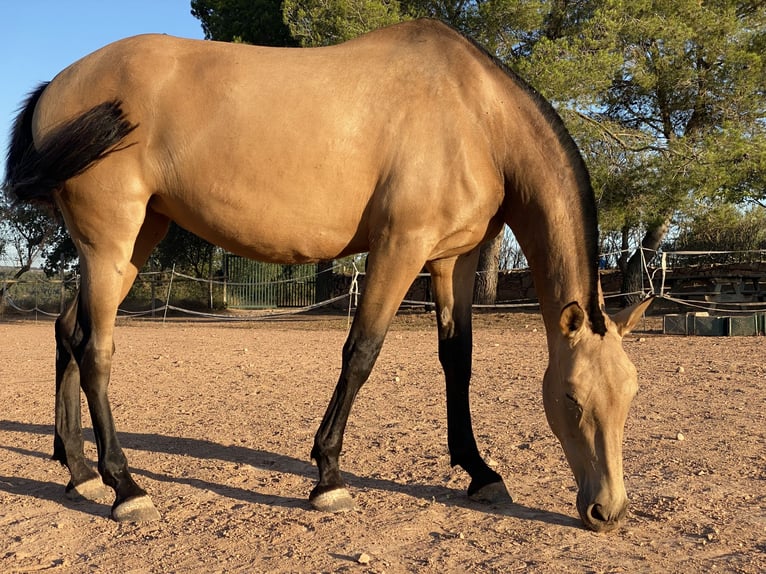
(256, 458)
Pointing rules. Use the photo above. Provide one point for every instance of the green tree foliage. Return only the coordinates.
(723, 228)
(187, 252)
(26, 233)
(250, 21)
(326, 22)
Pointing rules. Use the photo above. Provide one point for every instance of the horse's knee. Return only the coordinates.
(97, 358)
(359, 356)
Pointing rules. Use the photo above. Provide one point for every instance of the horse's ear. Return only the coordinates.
(572, 319)
(628, 317)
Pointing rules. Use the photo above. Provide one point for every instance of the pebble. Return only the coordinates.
(364, 558)
(680, 370)
(680, 436)
(396, 379)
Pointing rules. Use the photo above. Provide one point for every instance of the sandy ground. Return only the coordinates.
(217, 421)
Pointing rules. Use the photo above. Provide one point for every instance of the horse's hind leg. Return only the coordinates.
(453, 281)
(84, 351)
(68, 442)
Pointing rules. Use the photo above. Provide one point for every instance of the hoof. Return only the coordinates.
(139, 509)
(338, 500)
(492, 493)
(92, 489)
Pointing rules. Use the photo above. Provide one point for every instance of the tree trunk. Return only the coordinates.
(632, 283)
(485, 290)
(324, 281)
(622, 260)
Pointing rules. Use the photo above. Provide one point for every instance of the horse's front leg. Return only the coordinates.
(390, 272)
(453, 292)
(67, 441)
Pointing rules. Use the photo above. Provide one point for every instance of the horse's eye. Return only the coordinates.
(573, 405)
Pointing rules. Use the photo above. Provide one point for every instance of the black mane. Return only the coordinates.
(584, 187)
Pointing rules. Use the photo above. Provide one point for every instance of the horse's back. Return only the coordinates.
(308, 138)
(398, 63)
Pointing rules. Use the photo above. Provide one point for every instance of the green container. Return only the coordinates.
(748, 326)
(710, 326)
(674, 325)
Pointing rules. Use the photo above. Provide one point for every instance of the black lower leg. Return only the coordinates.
(455, 357)
(112, 463)
(358, 359)
(68, 440)
(95, 367)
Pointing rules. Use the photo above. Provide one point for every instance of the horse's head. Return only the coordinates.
(587, 391)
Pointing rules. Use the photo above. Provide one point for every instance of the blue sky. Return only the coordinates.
(39, 38)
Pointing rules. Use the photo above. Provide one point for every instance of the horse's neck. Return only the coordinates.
(550, 222)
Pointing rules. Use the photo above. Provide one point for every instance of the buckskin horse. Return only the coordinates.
(411, 143)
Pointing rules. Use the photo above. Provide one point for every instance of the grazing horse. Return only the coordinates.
(411, 143)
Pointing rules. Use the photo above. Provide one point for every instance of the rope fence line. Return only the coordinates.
(649, 279)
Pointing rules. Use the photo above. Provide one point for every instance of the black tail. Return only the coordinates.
(32, 173)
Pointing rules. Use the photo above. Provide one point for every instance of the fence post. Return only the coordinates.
(62, 290)
(225, 280)
(153, 287)
(210, 277)
(167, 299)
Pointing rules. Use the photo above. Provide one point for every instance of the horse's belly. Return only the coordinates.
(270, 227)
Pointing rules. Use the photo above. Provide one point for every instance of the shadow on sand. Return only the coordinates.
(261, 459)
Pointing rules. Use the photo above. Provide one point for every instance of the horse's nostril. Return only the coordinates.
(596, 514)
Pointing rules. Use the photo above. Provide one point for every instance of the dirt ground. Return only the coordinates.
(217, 421)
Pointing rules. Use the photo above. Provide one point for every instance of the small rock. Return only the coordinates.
(680, 436)
(641, 339)
(364, 558)
(396, 379)
(680, 370)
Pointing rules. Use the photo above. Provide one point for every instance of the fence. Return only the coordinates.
(151, 294)
(255, 285)
(698, 284)
(252, 285)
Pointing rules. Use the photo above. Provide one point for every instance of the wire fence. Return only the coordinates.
(158, 294)
(690, 281)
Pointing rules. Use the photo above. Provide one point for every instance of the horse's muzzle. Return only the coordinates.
(598, 517)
